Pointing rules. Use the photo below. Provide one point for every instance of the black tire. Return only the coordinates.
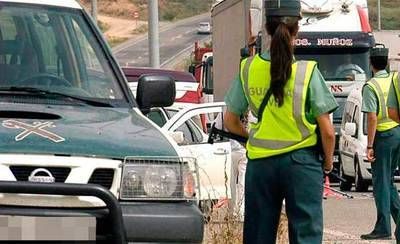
(345, 186)
(361, 185)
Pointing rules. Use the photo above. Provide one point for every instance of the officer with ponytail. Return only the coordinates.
(291, 102)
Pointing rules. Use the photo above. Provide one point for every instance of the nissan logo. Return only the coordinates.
(33, 177)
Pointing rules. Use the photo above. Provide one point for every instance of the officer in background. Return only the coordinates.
(393, 109)
(383, 144)
(289, 99)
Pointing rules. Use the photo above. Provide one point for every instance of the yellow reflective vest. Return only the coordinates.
(396, 85)
(283, 129)
(381, 88)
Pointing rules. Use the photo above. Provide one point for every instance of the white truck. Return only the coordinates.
(336, 33)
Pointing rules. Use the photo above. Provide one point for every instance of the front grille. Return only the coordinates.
(22, 173)
(103, 177)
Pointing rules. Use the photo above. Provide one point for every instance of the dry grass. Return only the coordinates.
(141, 29)
(283, 237)
(225, 227)
(224, 222)
(104, 27)
(115, 8)
(114, 40)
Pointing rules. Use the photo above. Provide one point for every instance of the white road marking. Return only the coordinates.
(177, 37)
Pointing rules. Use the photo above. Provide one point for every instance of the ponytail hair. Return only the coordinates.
(282, 31)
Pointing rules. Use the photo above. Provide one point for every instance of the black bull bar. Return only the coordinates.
(114, 216)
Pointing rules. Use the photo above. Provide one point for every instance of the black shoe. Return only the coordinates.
(375, 236)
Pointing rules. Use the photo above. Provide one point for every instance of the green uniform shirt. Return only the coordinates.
(369, 98)
(319, 99)
(392, 101)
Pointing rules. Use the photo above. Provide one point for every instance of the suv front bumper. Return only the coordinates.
(110, 223)
(162, 222)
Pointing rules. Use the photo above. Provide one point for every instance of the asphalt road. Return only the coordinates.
(346, 219)
(174, 39)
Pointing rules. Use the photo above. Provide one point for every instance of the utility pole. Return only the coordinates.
(379, 15)
(94, 10)
(154, 47)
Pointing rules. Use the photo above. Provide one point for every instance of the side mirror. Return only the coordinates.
(177, 136)
(350, 129)
(192, 69)
(155, 91)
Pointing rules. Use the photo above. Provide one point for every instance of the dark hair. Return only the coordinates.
(379, 62)
(281, 30)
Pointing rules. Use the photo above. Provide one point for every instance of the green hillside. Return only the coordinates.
(169, 10)
(390, 14)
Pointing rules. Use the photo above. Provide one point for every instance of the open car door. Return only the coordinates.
(214, 160)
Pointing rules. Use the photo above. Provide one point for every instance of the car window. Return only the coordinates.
(52, 63)
(157, 116)
(365, 123)
(8, 32)
(187, 134)
(356, 118)
(54, 49)
(347, 115)
(197, 135)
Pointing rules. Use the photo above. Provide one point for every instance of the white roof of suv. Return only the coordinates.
(59, 3)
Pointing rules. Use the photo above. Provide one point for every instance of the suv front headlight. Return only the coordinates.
(156, 179)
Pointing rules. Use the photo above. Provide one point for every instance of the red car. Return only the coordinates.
(188, 90)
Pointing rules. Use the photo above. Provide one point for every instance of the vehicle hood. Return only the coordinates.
(80, 131)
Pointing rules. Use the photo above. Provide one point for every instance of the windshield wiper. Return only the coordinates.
(43, 92)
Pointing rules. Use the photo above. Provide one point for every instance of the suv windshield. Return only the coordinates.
(53, 49)
(338, 64)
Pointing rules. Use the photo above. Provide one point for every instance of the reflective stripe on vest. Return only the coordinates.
(297, 109)
(268, 139)
(245, 72)
(381, 88)
(396, 84)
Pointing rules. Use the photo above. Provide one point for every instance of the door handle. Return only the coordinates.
(221, 151)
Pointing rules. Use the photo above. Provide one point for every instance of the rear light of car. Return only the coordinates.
(189, 97)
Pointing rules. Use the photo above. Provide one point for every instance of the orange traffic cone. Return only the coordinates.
(328, 191)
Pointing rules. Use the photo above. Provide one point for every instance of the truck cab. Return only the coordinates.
(75, 142)
(338, 36)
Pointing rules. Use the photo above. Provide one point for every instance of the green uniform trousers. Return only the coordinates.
(387, 202)
(296, 177)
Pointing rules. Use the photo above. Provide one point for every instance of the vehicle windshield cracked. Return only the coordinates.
(52, 51)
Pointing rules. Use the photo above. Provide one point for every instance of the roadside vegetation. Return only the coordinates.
(169, 10)
(390, 14)
(114, 40)
(141, 29)
(116, 17)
